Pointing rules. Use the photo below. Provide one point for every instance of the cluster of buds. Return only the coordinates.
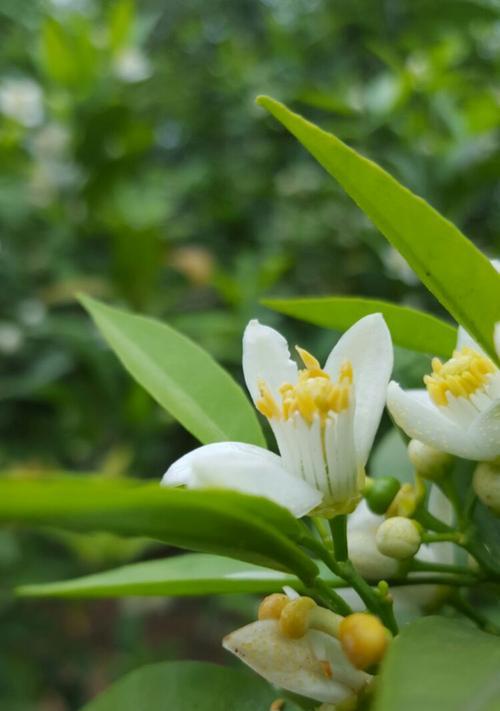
(309, 650)
(399, 537)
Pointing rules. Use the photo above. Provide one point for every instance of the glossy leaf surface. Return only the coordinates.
(211, 521)
(449, 265)
(179, 375)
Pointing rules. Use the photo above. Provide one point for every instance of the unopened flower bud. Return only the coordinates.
(380, 492)
(364, 639)
(398, 537)
(429, 463)
(486, 483)
(272, 606)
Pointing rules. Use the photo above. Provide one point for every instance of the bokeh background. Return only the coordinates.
(136, 167)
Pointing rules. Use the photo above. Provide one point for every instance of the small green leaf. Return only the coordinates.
(189, 574)
(449, 265)
(187, 686)
(227, 523)
(179, 375)
(410, 328)
(438, 663)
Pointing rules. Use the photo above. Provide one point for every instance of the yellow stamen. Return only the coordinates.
(326, 668)
(461, 376)
(314, 394)
(364, 639)
(309, 360)
(267, 404)
(294, 620)
(272, 606)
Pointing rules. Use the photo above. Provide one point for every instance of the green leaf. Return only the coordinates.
(444, 664)
(187, 686)
(410, 328)
(449, 265)
(223, 522)
(179, 375)
(189, 574)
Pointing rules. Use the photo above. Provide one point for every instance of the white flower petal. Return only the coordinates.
(293, 665)
(497, 339)
(266, 358)
(485, 431)
(465, 340)
(368, 346)
(420, 419)
(246, 468)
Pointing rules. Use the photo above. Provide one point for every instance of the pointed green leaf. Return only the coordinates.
(410, 328)
(187, 686)
(449, 265)
(444, 664)
(189, 574)
(227, 523)
(179, 375)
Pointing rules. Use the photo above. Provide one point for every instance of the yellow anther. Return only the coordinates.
(314, 394)
(405, 502)
(272, 606)
(309, 360)
(461, 375)
(364, 639)
(326, 668)
(345, 374)
(294, 620)
(267, 404)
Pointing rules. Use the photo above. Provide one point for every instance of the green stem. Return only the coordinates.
(469, 506)
(454, 537)
(380, 605)
(374, 601)
(335, 601)
(431, 522)
(451, 580)
(338, 527)
(323, 532)
(427, 567)
(482, 555)
(464, 606)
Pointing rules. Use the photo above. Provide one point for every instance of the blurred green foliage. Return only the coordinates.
(136, 168)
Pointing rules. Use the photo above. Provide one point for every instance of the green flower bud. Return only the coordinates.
(486, 483)
(429, 463)
(380, 492)
(398, 538)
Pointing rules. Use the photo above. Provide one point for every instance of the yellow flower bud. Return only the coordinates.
(294, 620)
(429, 463)
(486, 483)
(364, 639)
(272, 606)
(398, 537)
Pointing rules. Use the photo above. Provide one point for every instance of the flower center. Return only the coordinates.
(315, 393)
(461, 376)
